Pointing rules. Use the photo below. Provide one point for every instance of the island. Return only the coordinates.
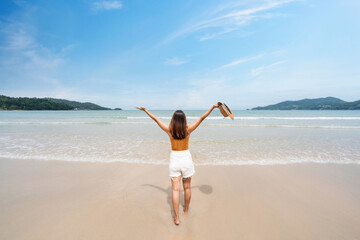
(328, 103)
(79, 105)
(25, 103)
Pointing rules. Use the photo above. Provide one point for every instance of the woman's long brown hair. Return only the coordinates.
(178, 125)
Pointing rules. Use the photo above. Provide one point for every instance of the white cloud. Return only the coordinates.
(106, 5)
(241, 60)
(23, 50)
(175, 61)
(17, 38)
(229, 20)
(203, 93)
(69, 47)
(26, 61)
(259, 70)
(214, 35)
(21, 47)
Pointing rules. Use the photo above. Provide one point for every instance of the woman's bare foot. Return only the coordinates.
(185, 210)
(176, 221)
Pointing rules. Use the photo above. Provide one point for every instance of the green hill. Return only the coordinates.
(12, 103)
(328, 103)
(79, 105)
(24, 103)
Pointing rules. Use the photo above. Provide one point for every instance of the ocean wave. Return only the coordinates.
(259, 118)
(74, 123)
(204, 124)
(281, 126)
(262, 162)
(169, 118)
(298, 118)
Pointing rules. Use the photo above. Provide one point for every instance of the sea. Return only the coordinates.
(252, 138)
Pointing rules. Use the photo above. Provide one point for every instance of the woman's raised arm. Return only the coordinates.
(195, 124)
(162, 125)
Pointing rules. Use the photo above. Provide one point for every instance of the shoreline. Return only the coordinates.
(265, 162)
(82, 200)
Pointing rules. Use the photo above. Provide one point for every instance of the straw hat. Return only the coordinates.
(225, 110)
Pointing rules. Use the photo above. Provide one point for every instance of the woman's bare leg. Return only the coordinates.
(187, 193)
(176, 185)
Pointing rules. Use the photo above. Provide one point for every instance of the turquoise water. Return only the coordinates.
(254, 137)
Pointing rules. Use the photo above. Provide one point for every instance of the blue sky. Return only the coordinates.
(180, 54)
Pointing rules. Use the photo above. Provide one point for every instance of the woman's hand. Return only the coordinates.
(195, 124)
(141, 108)
(152, 116)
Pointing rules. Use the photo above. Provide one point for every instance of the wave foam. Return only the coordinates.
(298, 118)
(282, 126)
(261, 118)
(204, 124)
(262, 162)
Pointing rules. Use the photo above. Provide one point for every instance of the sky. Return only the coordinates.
(180, 54)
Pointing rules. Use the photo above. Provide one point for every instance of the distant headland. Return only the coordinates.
(328, 103)
(25, 103)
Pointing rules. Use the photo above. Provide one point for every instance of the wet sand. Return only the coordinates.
(69, 200)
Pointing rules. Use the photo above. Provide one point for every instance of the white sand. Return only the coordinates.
(68, 200)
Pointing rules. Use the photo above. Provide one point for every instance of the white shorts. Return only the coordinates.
(181, 164)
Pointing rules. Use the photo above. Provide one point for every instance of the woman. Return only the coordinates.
(181, 164)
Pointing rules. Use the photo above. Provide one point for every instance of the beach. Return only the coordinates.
(104, 175)
(98, 95)
(77, 200)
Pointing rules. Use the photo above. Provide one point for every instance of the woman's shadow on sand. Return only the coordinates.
(206, 189)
